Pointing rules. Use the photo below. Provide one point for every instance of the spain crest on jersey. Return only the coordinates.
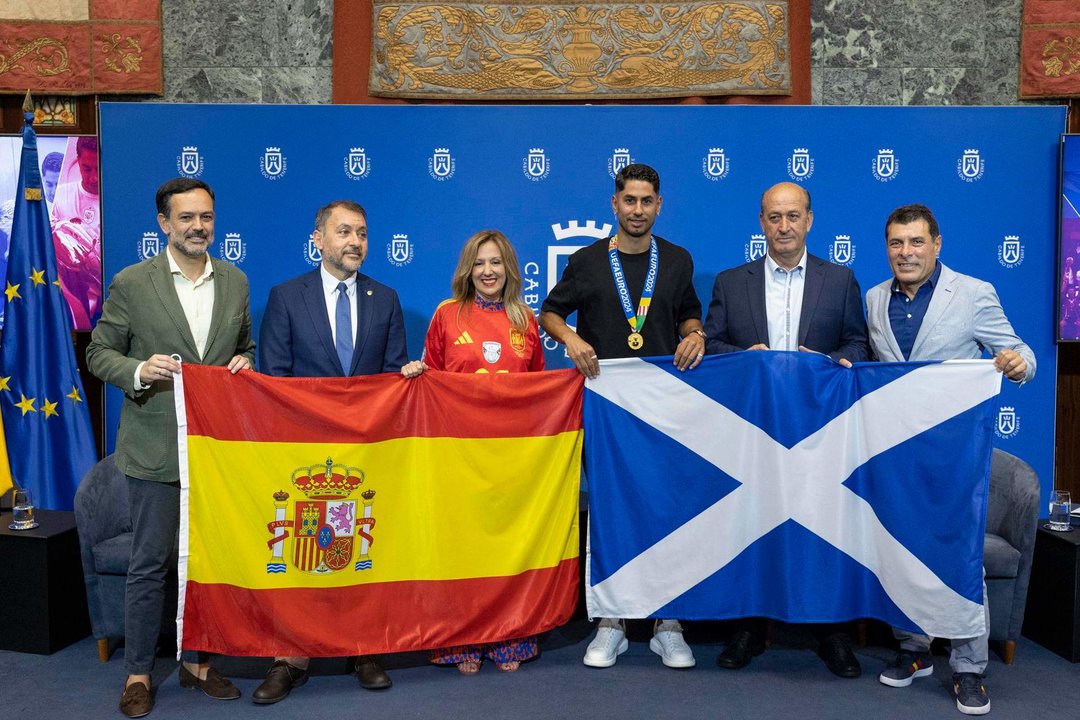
(324, 527)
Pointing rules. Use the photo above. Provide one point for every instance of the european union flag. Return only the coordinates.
(46, 422)
(782, 485)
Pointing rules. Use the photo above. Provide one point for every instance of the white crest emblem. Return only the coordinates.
(886, 166)
(557, 256)
(620, 158)
(441, 164)
(233, 248)
(492, 351)
(149, 246)
(971, 165)
(356, 164)
(189, 162)
(800, 164)
(1008, 424)
(400, 251)
(715, 166)
(273, 163)
(536, 164)
(312, 254)
(842, 251)
(755, 249)
(1011, 251)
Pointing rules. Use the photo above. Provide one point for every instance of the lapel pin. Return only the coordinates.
(369, 292)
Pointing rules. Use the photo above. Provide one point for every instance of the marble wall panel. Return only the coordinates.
(298, 33)
(861, 86)
(296, 85)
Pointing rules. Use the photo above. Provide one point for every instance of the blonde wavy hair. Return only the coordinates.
(464, 292)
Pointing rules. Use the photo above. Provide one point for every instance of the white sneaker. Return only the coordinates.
(608, 645)
(667, 642)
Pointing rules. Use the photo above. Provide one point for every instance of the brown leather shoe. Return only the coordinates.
(370, 674)
(281, 679)
(215, 685)
(136, 700)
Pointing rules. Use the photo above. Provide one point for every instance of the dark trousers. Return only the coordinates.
(155, 521)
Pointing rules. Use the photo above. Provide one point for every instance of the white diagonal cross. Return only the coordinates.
(803, 483)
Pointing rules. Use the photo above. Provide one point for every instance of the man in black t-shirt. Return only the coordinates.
(602, 282)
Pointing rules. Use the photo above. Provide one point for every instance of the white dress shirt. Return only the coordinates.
(783, 302)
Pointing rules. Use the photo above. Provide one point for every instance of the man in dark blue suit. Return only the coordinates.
(808, 303)
(788, 300)
(331, 322)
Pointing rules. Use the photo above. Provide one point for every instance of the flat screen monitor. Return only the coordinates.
(1068, 271)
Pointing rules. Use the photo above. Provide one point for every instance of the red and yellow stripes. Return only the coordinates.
(469, 487)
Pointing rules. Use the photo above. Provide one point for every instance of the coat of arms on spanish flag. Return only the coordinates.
(344, 516)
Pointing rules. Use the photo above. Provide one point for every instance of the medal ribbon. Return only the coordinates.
(636, 321)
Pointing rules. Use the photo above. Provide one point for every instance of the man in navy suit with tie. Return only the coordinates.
(788, 300)
(331, 322)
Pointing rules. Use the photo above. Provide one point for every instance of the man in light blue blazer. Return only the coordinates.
(927, 311)
(331, 322)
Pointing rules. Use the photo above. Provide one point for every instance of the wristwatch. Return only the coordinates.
(699, 331)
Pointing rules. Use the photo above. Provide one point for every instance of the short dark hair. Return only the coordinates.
(52, 162)
(324, 212)
(175, 187)
(637, 171)
(911, 213)
(86, 143)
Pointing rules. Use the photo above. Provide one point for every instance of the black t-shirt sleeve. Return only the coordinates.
(564, 299)
(690, 306)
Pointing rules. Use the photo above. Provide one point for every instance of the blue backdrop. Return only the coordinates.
(431, 176)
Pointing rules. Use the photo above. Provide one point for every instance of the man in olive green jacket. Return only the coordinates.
(179, 304)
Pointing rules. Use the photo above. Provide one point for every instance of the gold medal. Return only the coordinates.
(635, 341)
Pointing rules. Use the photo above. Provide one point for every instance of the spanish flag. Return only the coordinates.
(345, 516)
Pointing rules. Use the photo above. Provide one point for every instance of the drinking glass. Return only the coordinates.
(1060, 507)
(22, 510)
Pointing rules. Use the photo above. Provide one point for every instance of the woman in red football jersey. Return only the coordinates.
(485, 327)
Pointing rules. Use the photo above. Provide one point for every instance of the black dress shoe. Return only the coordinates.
(836, 652)
(742, 647)
(136, 700)
(370, 674)
(281, 679)
(215, 685)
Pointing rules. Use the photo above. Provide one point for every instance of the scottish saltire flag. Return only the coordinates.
(344, 516)
(784, 485)
(46, 424)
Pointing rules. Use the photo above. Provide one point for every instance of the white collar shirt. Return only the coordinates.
(330, 296)
(783, 302)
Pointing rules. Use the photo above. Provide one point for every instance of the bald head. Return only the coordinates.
(787, 187)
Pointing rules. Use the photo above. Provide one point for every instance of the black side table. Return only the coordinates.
(1052, 615)
(42, 595)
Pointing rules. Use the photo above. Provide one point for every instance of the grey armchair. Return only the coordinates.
(1011, 519)
(104, 524)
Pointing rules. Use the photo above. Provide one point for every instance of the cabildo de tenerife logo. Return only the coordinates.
(272, 163)
(1011, 251)
(800, 166)
(149, 246)
(233, 248)
(330, 529)
(971, 166)
(399, 251)
(755, 249)
(620, 158)
(536, 165)
(357, 164)
(842, 251)
(441, 164)
(885, 166)
(312, 254)
(1008, 422)
(715, 165)
(189, 162)
(557, 256)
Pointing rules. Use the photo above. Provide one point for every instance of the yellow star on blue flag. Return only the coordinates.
(37, 358)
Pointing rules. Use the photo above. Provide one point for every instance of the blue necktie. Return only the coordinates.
(343, 328)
